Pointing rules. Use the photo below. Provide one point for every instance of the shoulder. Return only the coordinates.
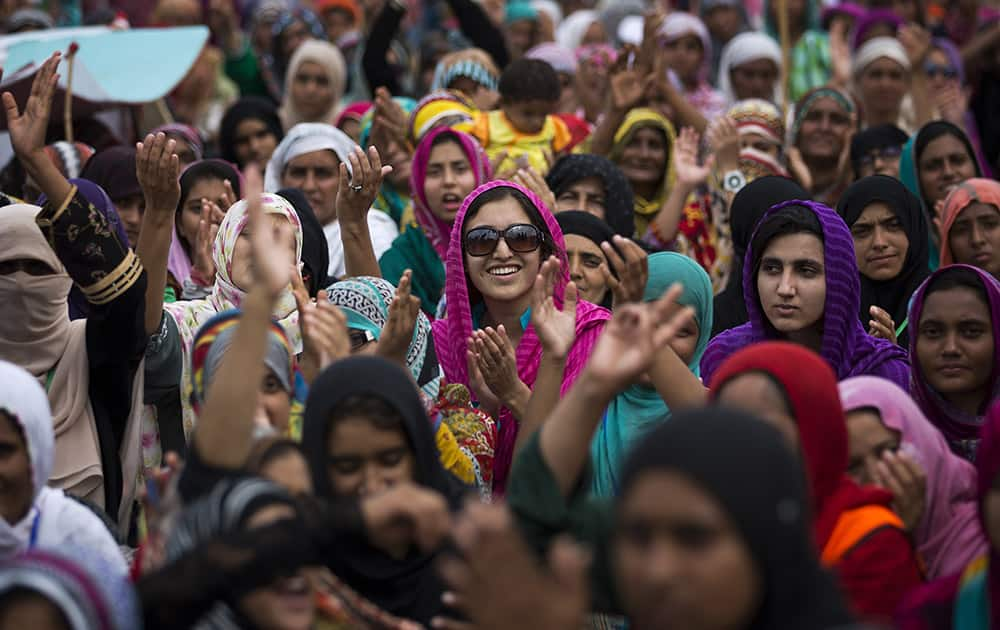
(65, 521)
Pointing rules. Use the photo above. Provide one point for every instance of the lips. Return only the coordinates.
(503, 271)
(881, 260)
(982, 258)
(785, 310)
(952, 369)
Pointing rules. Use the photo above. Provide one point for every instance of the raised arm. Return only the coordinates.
(355, 196)
(690, 175)
(625, 350)
(157, 168)
(481, 31)
(373, 62)
(224, 433)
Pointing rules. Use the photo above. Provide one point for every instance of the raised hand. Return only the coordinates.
(556, 329)
(27, 129)
(632, 270)
(631, 340)
(916, 41)
(201, 254)
(689, 172)
(530, 179)
(901, 475)
(881, 324)
(389, 121)
(497, 362)
(724, 143)
(498, 583)
(840, 52)
(488, 401)
(397, 334)
(324, 331)
(406, 513)
(357, 191)
(952, 102)
(271, 269)
(158, 169)
(628, 84)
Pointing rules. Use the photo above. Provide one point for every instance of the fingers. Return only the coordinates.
(228, 194)
(571, 298)
(10, 106)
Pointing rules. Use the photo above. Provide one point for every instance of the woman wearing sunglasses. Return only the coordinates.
(501, 236)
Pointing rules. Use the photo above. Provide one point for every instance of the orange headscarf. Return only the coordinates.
(975, 190)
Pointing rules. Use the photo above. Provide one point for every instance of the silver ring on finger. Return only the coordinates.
(357, 187)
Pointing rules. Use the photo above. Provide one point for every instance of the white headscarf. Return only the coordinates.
(678, 24)
(332, 61)
(305, 138)
(744, 48)
(569, 33)
(53, 520)
(549, 8)
(878, 48)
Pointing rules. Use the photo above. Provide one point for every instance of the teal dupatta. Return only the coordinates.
(639, 409)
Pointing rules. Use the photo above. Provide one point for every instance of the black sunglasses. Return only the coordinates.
(520, 237)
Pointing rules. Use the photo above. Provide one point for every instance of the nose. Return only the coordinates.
(372, 481)
(663, 565)
(575, 268)
(978, 235)
(878, 239)
(449, 178)
(503, 251)
(786, 286)
(310, 182)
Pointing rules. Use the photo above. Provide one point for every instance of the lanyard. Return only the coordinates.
(34, 531)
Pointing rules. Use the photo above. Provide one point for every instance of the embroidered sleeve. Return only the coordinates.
(99, 264)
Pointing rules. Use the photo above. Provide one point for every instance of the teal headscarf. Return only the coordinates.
(639, 409)
(389, 200)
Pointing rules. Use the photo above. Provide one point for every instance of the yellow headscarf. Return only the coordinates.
(638, 118)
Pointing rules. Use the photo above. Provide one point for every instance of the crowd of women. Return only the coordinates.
(511, 314)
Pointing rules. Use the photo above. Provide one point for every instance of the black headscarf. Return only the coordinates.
(891, 295)
(206, 169)
(877, 137)
(315, 249)
(748, 206)
(619, 202)
(409, 587)
(590, 227)
(113, 169)
(248, 107)
(746, 466)
(931, 132)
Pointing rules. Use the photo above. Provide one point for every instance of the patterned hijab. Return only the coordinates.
(846, 346)
(191, 315)
(437, 230)
(638, 118)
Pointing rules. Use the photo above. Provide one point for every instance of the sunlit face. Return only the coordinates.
(364, 459)
(644, 158)
(585, 194)
(290, 471)
(944, 164)
(312, 92)
(448, 180)
(754, 79)
(791, 283)
(16, 487)
(883, 84)
(504, 275)
(760, 143)
(254, 142)
(585, 260)
(869, 440)
(758, 394)
(241, 265)
(955, 345)
(679, 561)
(684, 56)
(880, 242)
(287, 604)
(528, 117)
(975, 237)
(210, 189)
(317, 175)
(823, 131)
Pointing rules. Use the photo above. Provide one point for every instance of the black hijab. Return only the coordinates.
(409, 587)
(248, 107)
(746, 466)
(113, 169)
(748, 206)
(893, 295)
(877, 137)
(202, 170)
(619, 202)
(931, 132)
(315, 249)
(592, 228)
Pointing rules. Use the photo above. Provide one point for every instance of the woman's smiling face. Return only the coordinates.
(503, 275)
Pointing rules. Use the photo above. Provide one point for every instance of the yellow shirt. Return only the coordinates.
(496, 133)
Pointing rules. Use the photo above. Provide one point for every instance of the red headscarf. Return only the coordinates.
(810, 388)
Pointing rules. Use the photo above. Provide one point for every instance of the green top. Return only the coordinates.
(543, 513)
(412, 250)
(244, 71)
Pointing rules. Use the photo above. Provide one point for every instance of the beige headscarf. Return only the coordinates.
(332, 60)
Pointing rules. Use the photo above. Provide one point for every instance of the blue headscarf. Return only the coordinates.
(640, 409)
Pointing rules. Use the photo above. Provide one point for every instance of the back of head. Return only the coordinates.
(529, 80)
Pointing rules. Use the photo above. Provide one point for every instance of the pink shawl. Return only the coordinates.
(451, 333)
(178, 263)
(949, 535)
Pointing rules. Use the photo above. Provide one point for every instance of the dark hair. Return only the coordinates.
(788, 220)
(936, 129)
(778, 386)
(204, 170)
(374, 409)
(267, 450)
(958, 278)
(447, 136)
(529, 80)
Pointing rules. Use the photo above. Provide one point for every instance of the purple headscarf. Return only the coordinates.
(961, 429)
(438, 230)
(451, 334)
(846, 346)
(872, 18)
(948, 536)
(79, 307)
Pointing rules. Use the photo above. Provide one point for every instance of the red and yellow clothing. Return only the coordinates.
(496, 133)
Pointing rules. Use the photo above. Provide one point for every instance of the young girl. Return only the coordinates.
(970, 225)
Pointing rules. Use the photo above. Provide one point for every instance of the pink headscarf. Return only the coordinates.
(949, 535)
(451, 334)
(354, 111)
(438, 230)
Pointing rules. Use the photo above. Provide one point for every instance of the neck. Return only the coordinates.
(811, 338)
(508, 314)
(969, 402)
(823, 171)
(882, 117)
(646, 190)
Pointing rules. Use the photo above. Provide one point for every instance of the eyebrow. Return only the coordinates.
(794, 261)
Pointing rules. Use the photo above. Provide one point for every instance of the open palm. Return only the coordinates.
(27, 129)
(556, 328)
(686, 159)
